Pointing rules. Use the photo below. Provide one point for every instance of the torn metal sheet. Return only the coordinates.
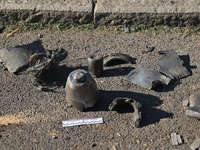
(78, 122)
(171, 65)
(116, 58)
(136, 108)
(147, 77)
(16, 58)
(81, 90)
(194, 108)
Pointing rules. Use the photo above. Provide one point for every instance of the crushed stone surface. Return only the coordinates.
(30, 117)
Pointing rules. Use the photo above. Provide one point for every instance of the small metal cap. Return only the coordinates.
(79, 76)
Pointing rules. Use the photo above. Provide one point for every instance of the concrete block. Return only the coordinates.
(54, 11)
(148, 12)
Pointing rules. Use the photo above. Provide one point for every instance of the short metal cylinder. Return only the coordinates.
(81, 90)
(95, 64)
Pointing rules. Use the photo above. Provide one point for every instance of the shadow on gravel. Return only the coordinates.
(150, 115)
(121, 71)
(9, 126)
(1, 29)
(170, 87)
(57, 75)
(186, 60)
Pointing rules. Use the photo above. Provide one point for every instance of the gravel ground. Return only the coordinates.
(31, 119)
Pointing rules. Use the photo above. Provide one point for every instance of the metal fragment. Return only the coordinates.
(171, 65)
(194, 108)
(81, 90)
(196, 144)
(180, 141)
(176, 139)
(95, 64)
(147, 77)
(16, 58)
(116, 58)
(136, 108)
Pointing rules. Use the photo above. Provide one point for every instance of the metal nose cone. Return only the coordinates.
(81, 90)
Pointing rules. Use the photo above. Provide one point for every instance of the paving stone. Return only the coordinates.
(151, 12)
(54, 11)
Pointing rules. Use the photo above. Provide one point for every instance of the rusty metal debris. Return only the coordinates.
(116, 58)
(171, 65)
(147, 77)
(127, 102)
(39, 65)
(16, 58)
(194, 108)
(81, 90)
(95, 64)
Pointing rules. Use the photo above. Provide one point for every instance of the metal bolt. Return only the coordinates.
(79, 76)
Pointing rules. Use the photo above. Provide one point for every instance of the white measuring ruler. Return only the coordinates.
(77, 122)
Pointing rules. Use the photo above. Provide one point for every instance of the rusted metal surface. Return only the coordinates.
(136, 107)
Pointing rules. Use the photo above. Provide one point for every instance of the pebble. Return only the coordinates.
(54, 137)
(93, 145)
(185, 103)
(110, 137)
(149, 48)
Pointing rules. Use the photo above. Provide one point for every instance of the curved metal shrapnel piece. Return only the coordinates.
(136, 107)
(116, 58)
